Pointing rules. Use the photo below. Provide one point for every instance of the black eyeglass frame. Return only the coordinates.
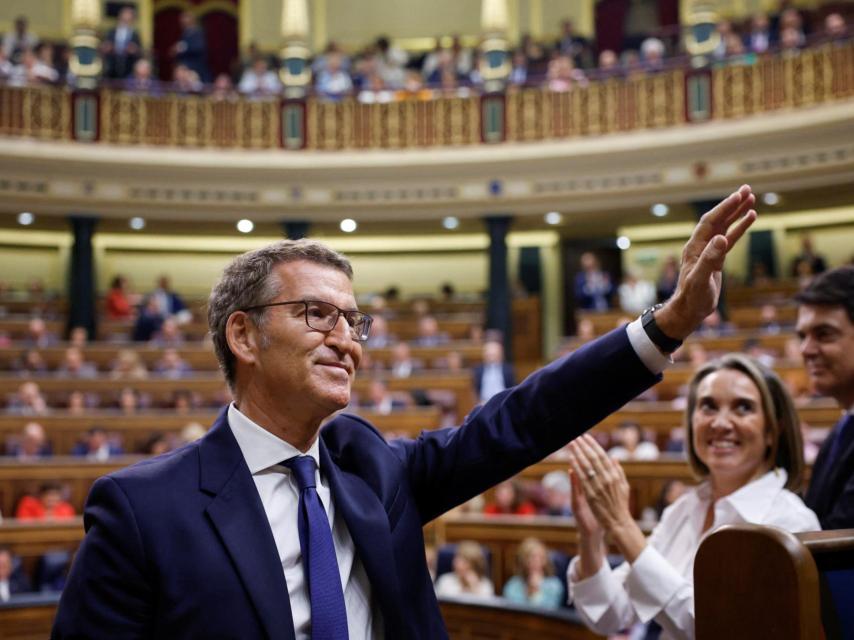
(348, 314)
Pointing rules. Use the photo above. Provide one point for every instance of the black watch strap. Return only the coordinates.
(658, 337)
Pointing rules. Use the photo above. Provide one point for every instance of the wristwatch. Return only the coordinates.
(658, 337)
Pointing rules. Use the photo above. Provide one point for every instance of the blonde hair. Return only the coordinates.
(526, 548)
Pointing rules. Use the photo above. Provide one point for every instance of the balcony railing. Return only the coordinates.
(813, 76)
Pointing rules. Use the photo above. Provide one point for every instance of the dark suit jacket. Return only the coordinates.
(179, 546)
(831, 492)
(120, 65)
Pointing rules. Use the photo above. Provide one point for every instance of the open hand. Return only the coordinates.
(603, 483)
(699, 284)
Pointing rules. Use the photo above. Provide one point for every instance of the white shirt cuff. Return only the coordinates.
(649, 354)
(651, 583)
(593, 594)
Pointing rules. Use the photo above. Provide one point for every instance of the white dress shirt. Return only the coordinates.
(280, 497)
(660, 583)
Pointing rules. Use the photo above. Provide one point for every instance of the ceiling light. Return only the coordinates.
(623, 243)
(450, 223)
(770, 198)
(553, 217)
(26, 218)
(137, 223)
(245, 226)
(348, 225)
(659, 209)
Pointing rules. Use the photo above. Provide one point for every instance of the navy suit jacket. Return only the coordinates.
(506, 372)
(831, 491)
(179, 546)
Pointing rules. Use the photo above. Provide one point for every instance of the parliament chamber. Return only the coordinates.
(475, 179)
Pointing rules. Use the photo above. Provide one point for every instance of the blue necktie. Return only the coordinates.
(328, 613)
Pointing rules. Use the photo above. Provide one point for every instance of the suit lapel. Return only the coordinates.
(367, 522)
(238, 516)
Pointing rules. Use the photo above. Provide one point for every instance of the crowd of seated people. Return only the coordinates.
(382, 72)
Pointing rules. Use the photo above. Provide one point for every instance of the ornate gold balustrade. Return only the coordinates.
(814, 76)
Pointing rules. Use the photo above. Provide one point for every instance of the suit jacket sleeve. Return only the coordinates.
(113, 597)
(522, 425)
(841, 515)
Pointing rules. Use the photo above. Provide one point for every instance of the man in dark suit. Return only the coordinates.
(494, 375)
(262, 529)
(826, 329)
(122, 47)
(191, 50)
(13, 580)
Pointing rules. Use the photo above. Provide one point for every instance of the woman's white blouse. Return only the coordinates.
(659, 585)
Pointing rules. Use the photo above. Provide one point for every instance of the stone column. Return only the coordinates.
(81, 284)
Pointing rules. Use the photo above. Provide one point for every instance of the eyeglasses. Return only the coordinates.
(323, 316)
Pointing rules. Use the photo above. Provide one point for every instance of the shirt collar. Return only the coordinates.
(260, 448)
(753, 500)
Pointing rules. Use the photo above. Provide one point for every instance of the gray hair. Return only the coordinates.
(247, 282)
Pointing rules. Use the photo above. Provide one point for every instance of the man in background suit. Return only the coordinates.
(494, 375)
(826, 329)
(122, 47)
(191, 50)
(271, 527)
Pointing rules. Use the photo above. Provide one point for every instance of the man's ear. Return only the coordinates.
(242, 337)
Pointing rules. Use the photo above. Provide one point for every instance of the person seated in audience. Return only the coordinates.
(28, 401)
(469, 574)
(809, 255)
(402, 364)
(74, 366)
(790, 40)
(148, 321)
(171, 304)
(593, 287)
(183, 402)
(714, 325)
(171, 365)
(429, 334)
(31, 362)
(635, 294)
(186, 80)
(534, 583)
(652, 55)
(519, 71)
(670, 492)
(129, 401)
(78, 337)
(13, 579)
(562, 74)
(32, 444)
(380, 336)
(667, 280)
(38, 336)
(556, 495)
(380, 400)
(758, 40)
(48, 505)
(494, 375)
(509, 501)
(753, 347)
(223, 89)
(157, 444)
(97, 445)
(191, 432)
(769, 322)
(259, 79)
(32, 71)
(170, 335)
(451, 362)
(744, 440)
(141, 80)
(77, 404)
(334, 82)
(118, 303)
(128, 365)
(632, 444)
(835, 27)
(791, 19)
